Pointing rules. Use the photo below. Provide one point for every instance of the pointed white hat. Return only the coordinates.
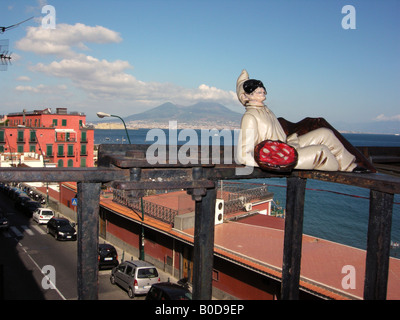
(239, 84)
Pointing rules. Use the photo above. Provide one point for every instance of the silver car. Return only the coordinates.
(42, 215)
(136, 277)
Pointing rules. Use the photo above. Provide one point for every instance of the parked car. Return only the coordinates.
(61, 229)
(20, 200)
(42, 215)
(29, 207)
(3, 222)
(168, 291)
(136, 277)
(108, 256)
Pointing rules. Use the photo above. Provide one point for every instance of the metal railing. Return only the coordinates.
(124, 167)
(236, 195)
(150, 209)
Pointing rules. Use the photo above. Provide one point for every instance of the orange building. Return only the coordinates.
(61, 138)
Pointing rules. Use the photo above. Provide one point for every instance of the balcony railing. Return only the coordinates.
(126, 168)
(150, 209)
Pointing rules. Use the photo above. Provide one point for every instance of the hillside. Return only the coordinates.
(200, 115)
(202, 111)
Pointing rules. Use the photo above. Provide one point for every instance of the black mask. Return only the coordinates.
(250, 85)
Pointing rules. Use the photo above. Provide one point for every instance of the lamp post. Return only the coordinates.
(104, 115)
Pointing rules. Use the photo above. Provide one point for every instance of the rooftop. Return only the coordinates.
(244, 242)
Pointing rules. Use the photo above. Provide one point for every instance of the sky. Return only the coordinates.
(316, 58)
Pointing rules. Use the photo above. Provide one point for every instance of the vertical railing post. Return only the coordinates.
(293, 238)
(378, 245)
(204, 246)
(88, 240)
(203, 238)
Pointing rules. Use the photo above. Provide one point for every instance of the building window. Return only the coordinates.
(55, 122)
(60, 163)
(83, 137)
(83, 150)
(64, 122)
(20, 149)
(60, 150)
(70, 163)
(32, 148)
(1, 136)
(20, 136)
(49, 150)
(32, 136)
(83, 162)
(70, 150)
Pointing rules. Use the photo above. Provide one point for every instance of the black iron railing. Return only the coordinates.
(125, 167)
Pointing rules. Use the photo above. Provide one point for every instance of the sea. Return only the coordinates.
(335, 212)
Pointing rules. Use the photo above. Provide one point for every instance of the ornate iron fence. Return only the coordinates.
(151, 209)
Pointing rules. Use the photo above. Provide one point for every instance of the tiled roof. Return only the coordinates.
(257, 244)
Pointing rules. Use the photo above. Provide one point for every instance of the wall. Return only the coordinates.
(230, 281)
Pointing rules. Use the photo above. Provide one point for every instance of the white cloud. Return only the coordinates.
(109, 80)
(61, 40)
(101, 80)
(383, 117)
(42, 89)
(24, 78)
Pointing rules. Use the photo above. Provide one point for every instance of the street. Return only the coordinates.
(35, 266)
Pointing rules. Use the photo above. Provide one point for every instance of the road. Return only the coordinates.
(27, 250)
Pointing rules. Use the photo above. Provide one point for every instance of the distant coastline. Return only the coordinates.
(182, 125)
(165, 125)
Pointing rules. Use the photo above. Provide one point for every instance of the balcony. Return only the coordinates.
(126, 168)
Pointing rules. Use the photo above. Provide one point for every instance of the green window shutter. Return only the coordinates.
(20, 136)
(83, 162)
(83, 149)
(33, 136)
(70, 150)
(49, 150)
(60, 150)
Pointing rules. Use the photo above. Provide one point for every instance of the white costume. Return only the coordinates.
(319, 149)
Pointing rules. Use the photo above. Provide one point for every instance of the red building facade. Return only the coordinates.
(62, 138)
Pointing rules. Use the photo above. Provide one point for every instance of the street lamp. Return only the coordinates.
(104, 115)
